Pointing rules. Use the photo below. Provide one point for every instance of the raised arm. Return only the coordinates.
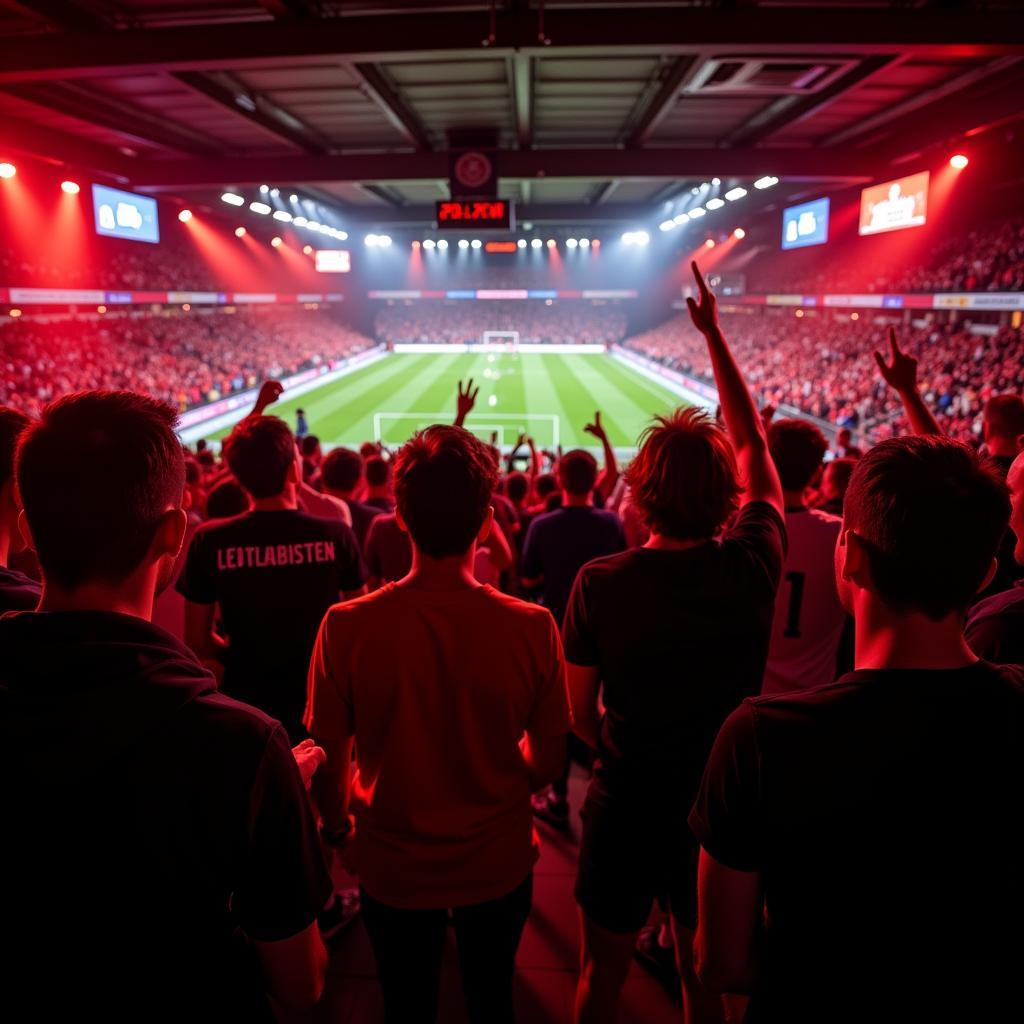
(270, 392)
(901, 376)
(465, 401)
(742, 420)
(610, 474)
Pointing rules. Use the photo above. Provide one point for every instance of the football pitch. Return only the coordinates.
(550, 397)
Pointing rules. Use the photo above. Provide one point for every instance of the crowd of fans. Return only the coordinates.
(183, 358)
(246, 677)
(986, 259)
(562, 322)
(821, 366)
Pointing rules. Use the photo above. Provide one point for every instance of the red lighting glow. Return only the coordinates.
(72, 188)
(275, 242)
(739, 233)
(239, 232)
(101, 309)
(8, 170)
(958, 161)
(595, 243)
(15, 313)
(185, 216)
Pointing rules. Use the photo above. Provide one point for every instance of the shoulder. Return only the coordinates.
(1006, 603)
(216, 527)
(238, 730)
(609, 568)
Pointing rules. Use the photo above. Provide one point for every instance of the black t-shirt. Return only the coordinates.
(995, 627)
(884, 814)
(18, 592)
(362, 516)
(147, 818)
(273, 575)
(560, 543)
(680, 638)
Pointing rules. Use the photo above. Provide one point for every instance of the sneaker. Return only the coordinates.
(551, 808)
(341, 910)
(659, 961)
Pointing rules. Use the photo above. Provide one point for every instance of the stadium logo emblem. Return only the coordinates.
(473, 170)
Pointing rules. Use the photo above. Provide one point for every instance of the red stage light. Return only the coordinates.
(239, 232)
(275, 242)
(8, 170)
(416, 244)
(185, 216)
(595, 243)
(710, 243)
(72, 188)
(101, 309)
(958, 161)
(739, 233)
(15, 313)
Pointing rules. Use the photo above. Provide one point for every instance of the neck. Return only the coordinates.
(282, 502)
(794, 499)
(661, 542)
(344, 495)
(1003, 446)
(576, 500)
(377, 492)
(452, 573)
(133, 597)
(914, 641)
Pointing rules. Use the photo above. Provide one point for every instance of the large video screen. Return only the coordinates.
(333, 261)
(894, 205)
(806, 224)
(125, 215)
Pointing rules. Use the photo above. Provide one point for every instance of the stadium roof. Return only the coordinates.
(599, 111)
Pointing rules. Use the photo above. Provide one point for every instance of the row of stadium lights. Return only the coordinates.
(716, 203)
(296, 220)
(522, 243)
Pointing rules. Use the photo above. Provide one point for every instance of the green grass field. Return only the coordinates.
(519, 393)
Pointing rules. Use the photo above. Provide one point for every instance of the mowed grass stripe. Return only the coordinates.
(580, 400)
(646, 397)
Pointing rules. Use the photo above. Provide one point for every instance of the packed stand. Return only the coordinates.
(821, 366)
(563, 322)
(184, 359)
(754, 646)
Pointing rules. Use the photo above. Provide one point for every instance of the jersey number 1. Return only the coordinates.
(796, 599)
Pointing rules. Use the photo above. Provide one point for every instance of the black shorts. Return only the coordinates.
(633, 852)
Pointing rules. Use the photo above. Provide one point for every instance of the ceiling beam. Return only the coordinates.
(421, 215)
(521, 88)
(787, 110)
(375, 86)
(603, 191)
(54, 146)
(377, 38)
(76, 100)
(264, 112)
(837, 165)
(662, 99)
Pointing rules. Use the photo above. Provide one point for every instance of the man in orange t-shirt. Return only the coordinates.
(454, 697)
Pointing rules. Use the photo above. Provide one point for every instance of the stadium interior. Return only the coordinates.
(374, 202)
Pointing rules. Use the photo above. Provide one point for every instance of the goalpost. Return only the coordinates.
(507, 341)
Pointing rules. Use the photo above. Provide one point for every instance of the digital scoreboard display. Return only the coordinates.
(125, 215)
(806, 224)
(475, 215)
(894, 205)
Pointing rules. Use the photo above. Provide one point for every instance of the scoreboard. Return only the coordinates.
(475, 215)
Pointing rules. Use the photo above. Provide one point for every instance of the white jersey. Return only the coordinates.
(809, 619)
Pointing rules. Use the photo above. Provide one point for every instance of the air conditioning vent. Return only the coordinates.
(767, 75)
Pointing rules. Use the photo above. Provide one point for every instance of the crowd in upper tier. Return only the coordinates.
(232, 682)
(817, 364)
(562, 322)
(184, 359)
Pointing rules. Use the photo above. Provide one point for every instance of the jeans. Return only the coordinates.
(408, 946)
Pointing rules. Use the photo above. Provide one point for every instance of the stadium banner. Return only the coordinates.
(996, 301)
(252, 297)
(91, 297)
(197, 298)
(866, 301)
(225, 412)
(505, 293)
(497, 346)
(56, 296)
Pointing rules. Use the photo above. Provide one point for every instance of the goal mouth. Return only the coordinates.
(500, 341)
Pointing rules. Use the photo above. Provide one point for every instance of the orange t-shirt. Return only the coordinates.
(438, 688)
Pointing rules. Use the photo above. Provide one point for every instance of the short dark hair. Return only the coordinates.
(797, 448)
(309, 444)
(517, 487)
(840, 470)
(226, 500)
(1004, 415)
(444, 481)
(377, 471)
(684, 478)
(258, 452)
(12, 423)
(577, 472)
(931, 513)
(342, 470)
(546, 484)
(96, 474)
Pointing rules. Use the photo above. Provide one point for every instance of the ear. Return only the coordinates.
(294, 475)
(989, 576)
(400, 521)
(170, 534)
(485, 528)
(854, 559)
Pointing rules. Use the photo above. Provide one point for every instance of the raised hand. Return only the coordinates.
(705, 313)
(596, 428)
(270, 392)
(466, 401)
(901, 373)
(308, 756)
